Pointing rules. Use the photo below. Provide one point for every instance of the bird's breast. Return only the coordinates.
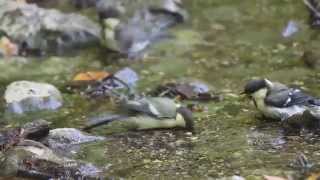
(147, 122)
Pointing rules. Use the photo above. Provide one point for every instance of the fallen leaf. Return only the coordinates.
(91, 76)
(314, 176)
(273, 178)
(8, 48)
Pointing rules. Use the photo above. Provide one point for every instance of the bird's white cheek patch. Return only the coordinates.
(180, 120)
(287, 101)
(259, 97)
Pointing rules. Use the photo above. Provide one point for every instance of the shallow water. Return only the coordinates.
(224, 44)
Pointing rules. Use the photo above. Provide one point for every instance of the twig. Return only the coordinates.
(311, 7)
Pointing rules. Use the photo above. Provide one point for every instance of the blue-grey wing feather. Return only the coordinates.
(300, 98)
(289, 97)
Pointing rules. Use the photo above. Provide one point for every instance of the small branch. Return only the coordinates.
(311, 7)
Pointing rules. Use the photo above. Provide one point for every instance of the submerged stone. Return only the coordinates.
(26, 96)
(186, 89)
(34, 160)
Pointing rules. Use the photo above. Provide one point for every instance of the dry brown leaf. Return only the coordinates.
(7, 47)
(91, 76)
(314, 176)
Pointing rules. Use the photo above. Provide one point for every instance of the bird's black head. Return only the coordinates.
(108, 13)
(254, 85)
(188, 118)
(109, 9)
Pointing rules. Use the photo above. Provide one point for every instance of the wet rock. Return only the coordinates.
(311, 58)
(26, 96)
(192, 90)
(132, 34)
(33, 160)
(46, 30)
(34, 130)
(290, 29)
(66, 140)
(127, 75)
(9, 138)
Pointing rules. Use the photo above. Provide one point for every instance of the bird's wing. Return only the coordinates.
(288, 97)
(95, 122)
(139, 106)
(162, 107)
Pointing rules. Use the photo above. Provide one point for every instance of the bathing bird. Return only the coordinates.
(147, 112)
(144, 26)
(278, 101)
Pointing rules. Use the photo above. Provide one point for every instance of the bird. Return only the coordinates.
(147, 112)
(145, 26)
(143, 120)
(278, 101)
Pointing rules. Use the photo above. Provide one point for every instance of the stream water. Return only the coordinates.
(225, 43)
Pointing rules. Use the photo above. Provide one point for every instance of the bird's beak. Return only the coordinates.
(244, 94)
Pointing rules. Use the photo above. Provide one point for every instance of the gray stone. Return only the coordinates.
(44, 29)
(45, 164)
(200, 87)
(25, 96)
(68, 140)
(127, 75)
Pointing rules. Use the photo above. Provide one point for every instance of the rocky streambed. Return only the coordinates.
(223, 44)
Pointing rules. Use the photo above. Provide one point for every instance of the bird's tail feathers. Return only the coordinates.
(101, 121)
